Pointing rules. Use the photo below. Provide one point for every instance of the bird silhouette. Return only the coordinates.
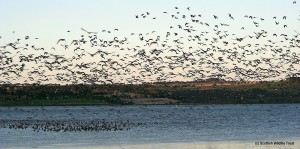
(60, 40)
(88, 31)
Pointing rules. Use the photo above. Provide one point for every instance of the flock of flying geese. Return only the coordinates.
(193, 50)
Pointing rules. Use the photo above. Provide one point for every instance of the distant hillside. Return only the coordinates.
(204, 91)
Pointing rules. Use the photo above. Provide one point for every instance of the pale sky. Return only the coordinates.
(49, 20)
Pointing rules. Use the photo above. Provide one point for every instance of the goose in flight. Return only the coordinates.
(75, 42)
(59, 40)
(231, 17)
(88, 31)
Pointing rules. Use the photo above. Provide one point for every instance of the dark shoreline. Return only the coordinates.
(280, 92)
(132, 104)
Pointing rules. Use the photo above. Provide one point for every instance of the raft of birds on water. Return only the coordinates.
(68, 125)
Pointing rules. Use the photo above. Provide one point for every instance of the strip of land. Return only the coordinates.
(152, 101)
(195, 92)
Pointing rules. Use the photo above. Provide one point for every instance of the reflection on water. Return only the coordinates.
(151, 124)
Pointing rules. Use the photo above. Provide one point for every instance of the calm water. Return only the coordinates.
(161, 124)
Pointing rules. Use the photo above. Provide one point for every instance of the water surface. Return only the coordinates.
(160, 124)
